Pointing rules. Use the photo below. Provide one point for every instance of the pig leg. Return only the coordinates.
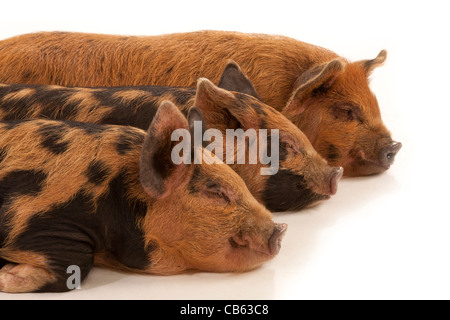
(30, 272)
(46, 260)
(23, 277)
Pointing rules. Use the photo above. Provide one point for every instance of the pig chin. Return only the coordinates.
(362, 165)
(250, 251)
(366, 168)
(245, 259)
(289, 191)
(236, 258)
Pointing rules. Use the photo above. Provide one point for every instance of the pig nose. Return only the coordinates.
(387, 154)
(276, 237)
(336, 175)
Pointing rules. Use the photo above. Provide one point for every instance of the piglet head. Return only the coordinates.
(201, 214)
(334, 106)
(296, 175)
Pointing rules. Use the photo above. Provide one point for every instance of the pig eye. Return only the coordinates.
(349, 114)
(344, 113)
(214, 190)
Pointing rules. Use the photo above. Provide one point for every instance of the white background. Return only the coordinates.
(380, 237)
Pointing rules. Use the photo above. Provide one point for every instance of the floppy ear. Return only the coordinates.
(369, 65)
(233, 79)
(159, 175)
(221, 107)
(313, 81)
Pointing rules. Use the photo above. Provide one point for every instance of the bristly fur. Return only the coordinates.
(278, 66)
(92, 203)
(137, 106)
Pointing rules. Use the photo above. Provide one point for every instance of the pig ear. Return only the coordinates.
(233, 79)
(218, 104)
(197, 127)
(315, 80)
(196, 115)
(369, 65)
(159, 175)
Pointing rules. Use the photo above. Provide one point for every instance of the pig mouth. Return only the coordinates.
(372, 166)
(238, 244)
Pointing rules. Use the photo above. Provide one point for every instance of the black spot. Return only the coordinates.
(55, 102)
(12, 124)
(246, 101)
(287, 191)
(97, 172)
(129, 140)
(182, 96)
(89, 128)
(137, 115)
(3, 154)
(22, 182)
(51, 102)
(169, 70)
(52, 136)
(123, 239)
(68, 234)
(138, 112)
(62, 111)
(332, 152)
(13, 109)
(5, 219)
(71, 233)
(124, 145)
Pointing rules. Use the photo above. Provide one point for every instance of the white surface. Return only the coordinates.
(381, 237)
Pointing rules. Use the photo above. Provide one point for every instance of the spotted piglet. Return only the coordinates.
(77, 194)
(300, 179)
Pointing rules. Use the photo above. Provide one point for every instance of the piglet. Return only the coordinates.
(74, 195)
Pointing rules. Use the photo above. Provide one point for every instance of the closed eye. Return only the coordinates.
(214, 190)
(346, 112)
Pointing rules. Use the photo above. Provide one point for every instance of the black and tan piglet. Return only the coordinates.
(303, 177)
(77, 194)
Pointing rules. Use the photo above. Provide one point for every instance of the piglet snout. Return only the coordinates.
(387, 154)
(276, 237)
(336, 175)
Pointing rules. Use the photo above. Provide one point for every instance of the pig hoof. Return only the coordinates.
(15, 278)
